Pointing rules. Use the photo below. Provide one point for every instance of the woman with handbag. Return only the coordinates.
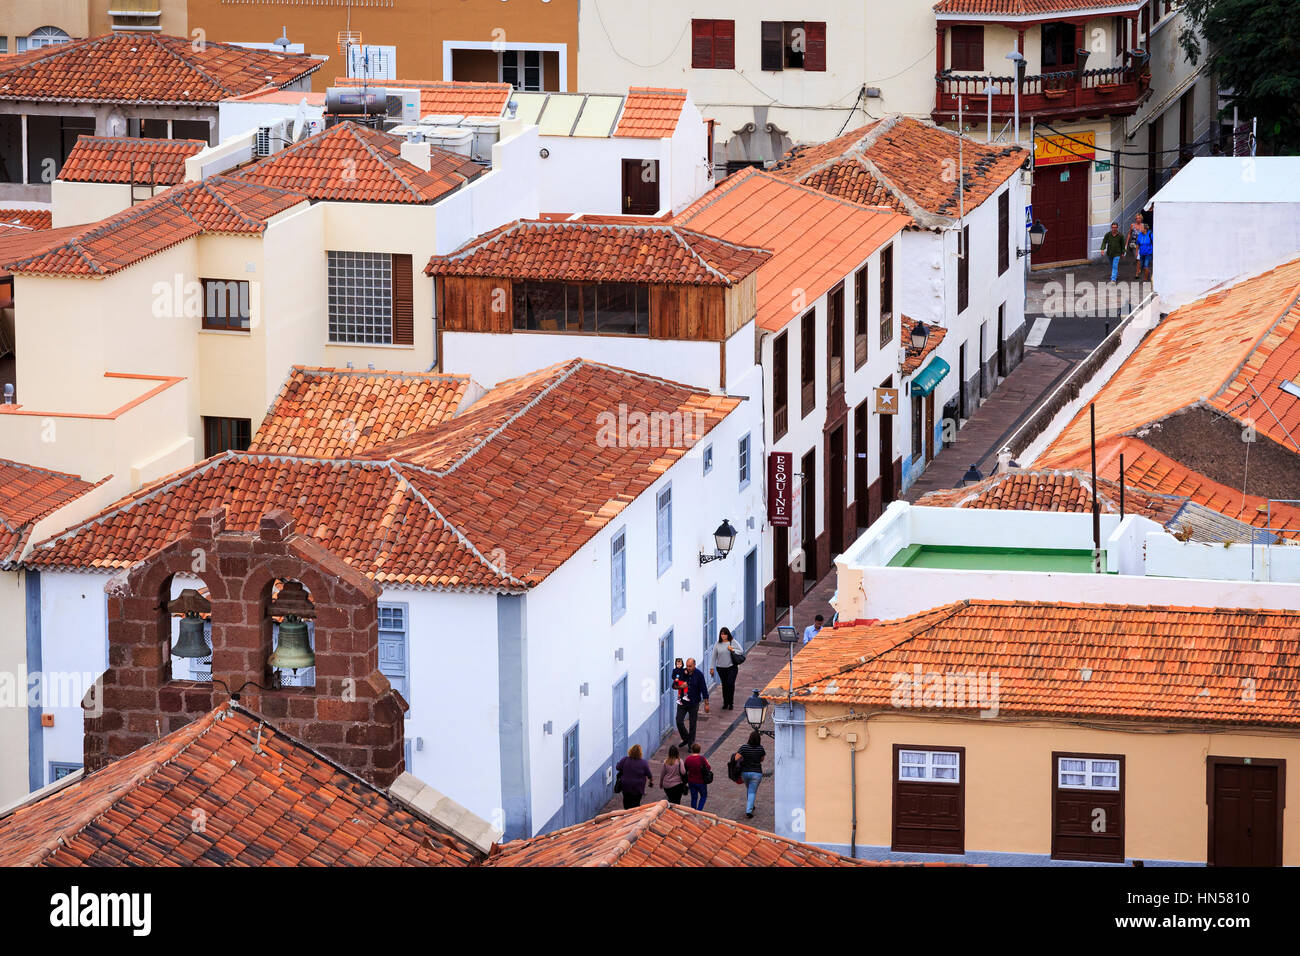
(727, 658)
(633, 776)
(698, 776)
(671, 778)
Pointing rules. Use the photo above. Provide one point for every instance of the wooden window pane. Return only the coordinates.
(773, 45)
(1004, 232)
(702, 44)
(724, 44)
(815, 54)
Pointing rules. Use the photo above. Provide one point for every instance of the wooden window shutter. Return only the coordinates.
(724, 44)
(403, 301)
(773, 53)
(701, 44)
(814, 55)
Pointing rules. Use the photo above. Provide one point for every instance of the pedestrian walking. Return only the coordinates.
(812, 629)
(1145, 246)
(633, 776)
(751, 769)
(695, 690)
(698, 777)
(727, 658)
(1132, 244)
(671, 779)
(1112, 244)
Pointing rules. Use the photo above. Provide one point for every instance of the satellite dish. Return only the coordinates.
(300, 128)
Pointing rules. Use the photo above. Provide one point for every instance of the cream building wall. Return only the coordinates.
(1008, 805)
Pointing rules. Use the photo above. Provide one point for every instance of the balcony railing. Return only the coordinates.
(1108, 90)
(780, 421)
(837, 372)
(809, 397)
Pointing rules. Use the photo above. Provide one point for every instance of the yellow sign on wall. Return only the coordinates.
(1075, 148)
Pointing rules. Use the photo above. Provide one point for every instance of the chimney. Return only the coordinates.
(350, 714)
(415, 150)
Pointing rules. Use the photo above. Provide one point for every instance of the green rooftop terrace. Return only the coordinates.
(994, 559)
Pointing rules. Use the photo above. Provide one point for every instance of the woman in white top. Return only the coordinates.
(725, 666)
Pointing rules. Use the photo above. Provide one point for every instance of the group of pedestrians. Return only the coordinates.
(1138, 241)
(694, 773)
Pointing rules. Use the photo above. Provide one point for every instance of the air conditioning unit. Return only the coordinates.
(271, 139)
(263, 146)
(798, 562)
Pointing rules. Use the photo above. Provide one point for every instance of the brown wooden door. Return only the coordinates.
(837, 481)
(929, 814)
(929, 428)
(1088, 807)
(1060, 199)
(640, 187)
(1245, 812)
(809, 518)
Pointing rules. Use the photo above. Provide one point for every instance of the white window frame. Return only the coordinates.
(744, 461)
(618, 575)
(562, 49)
(928, 767)
(520, 68)
(1089, 772)
(664, 529)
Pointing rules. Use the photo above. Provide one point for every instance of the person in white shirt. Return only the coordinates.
(811, 630)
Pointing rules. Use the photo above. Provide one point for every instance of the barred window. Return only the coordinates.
(361, 297)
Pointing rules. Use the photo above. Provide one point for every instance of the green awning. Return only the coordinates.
(924, 381)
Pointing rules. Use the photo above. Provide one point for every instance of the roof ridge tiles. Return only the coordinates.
(353, 131)
(191, 64)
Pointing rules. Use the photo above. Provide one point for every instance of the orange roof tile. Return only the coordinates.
(650, 112)
(351, 163)
(18, 243)
(140, 809)
(28, 494)
(915, 357)
(664, 834)
(26, 218)
(1221, 349)
(1047, 489)
(141, 68)
(124, 159)
(334, 413)
(1162, 665)
(1026, 8)
(462, 505)
(592, 252)
(904, 163)
(447, 98)
(755, 208)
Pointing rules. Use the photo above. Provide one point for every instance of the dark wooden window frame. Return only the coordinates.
(835, 333)
(1055, 786)
(231, 433)
(781, 385)
(1004, 231)
(216, 323)
(1061, 51)
(520, 323)
(861, 308)
(1210, 763)
(777, 53)
(963, 269)
(960, 784)
(713, 44)
(808, 362)
(967, 47)
(886, 296)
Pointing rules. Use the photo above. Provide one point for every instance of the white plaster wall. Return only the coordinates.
(240, 116)
(77, 203)
(584, 174)
(74, 641)
(1166, 556)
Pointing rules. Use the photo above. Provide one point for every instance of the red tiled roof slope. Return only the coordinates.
(333, 413)
(816, 240)
(28, 494)
(125, 159)
(140, 68)
(663, 834)
(28, 218)
(1165, 665)
(268, 801)
(1025, 8)
(650, 112)
(351, 163)
(1051, 490)
(904, 163)
(588, 252)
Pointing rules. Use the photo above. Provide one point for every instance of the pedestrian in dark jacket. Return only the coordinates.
(671, 778)
(696, 690)
(696, 765)
(725, 667)
(1112, 244)
(751, 769)
(635, 776)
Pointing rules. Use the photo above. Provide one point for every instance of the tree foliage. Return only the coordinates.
(1254, 49)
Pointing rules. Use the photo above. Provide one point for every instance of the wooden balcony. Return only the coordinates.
(1110, 91)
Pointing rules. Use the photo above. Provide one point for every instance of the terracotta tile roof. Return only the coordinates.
(215, 205)
(463, 505)
(28, 494)
(141, 68)
(1025, 8)
(663, 834)
(915, 357)
(448, 98)
(755, 208)
(591, 252)
(26, 218)
(340, 413)
(1220, 349)
(1047, 489)
(281, 804)
(1145, 467)
(351, 163)
(1162, 665)
(124, 159)
(18, 243)
(650, 112)
(904, 163)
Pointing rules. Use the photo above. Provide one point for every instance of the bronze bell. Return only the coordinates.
(294, 650)
(191, 643)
